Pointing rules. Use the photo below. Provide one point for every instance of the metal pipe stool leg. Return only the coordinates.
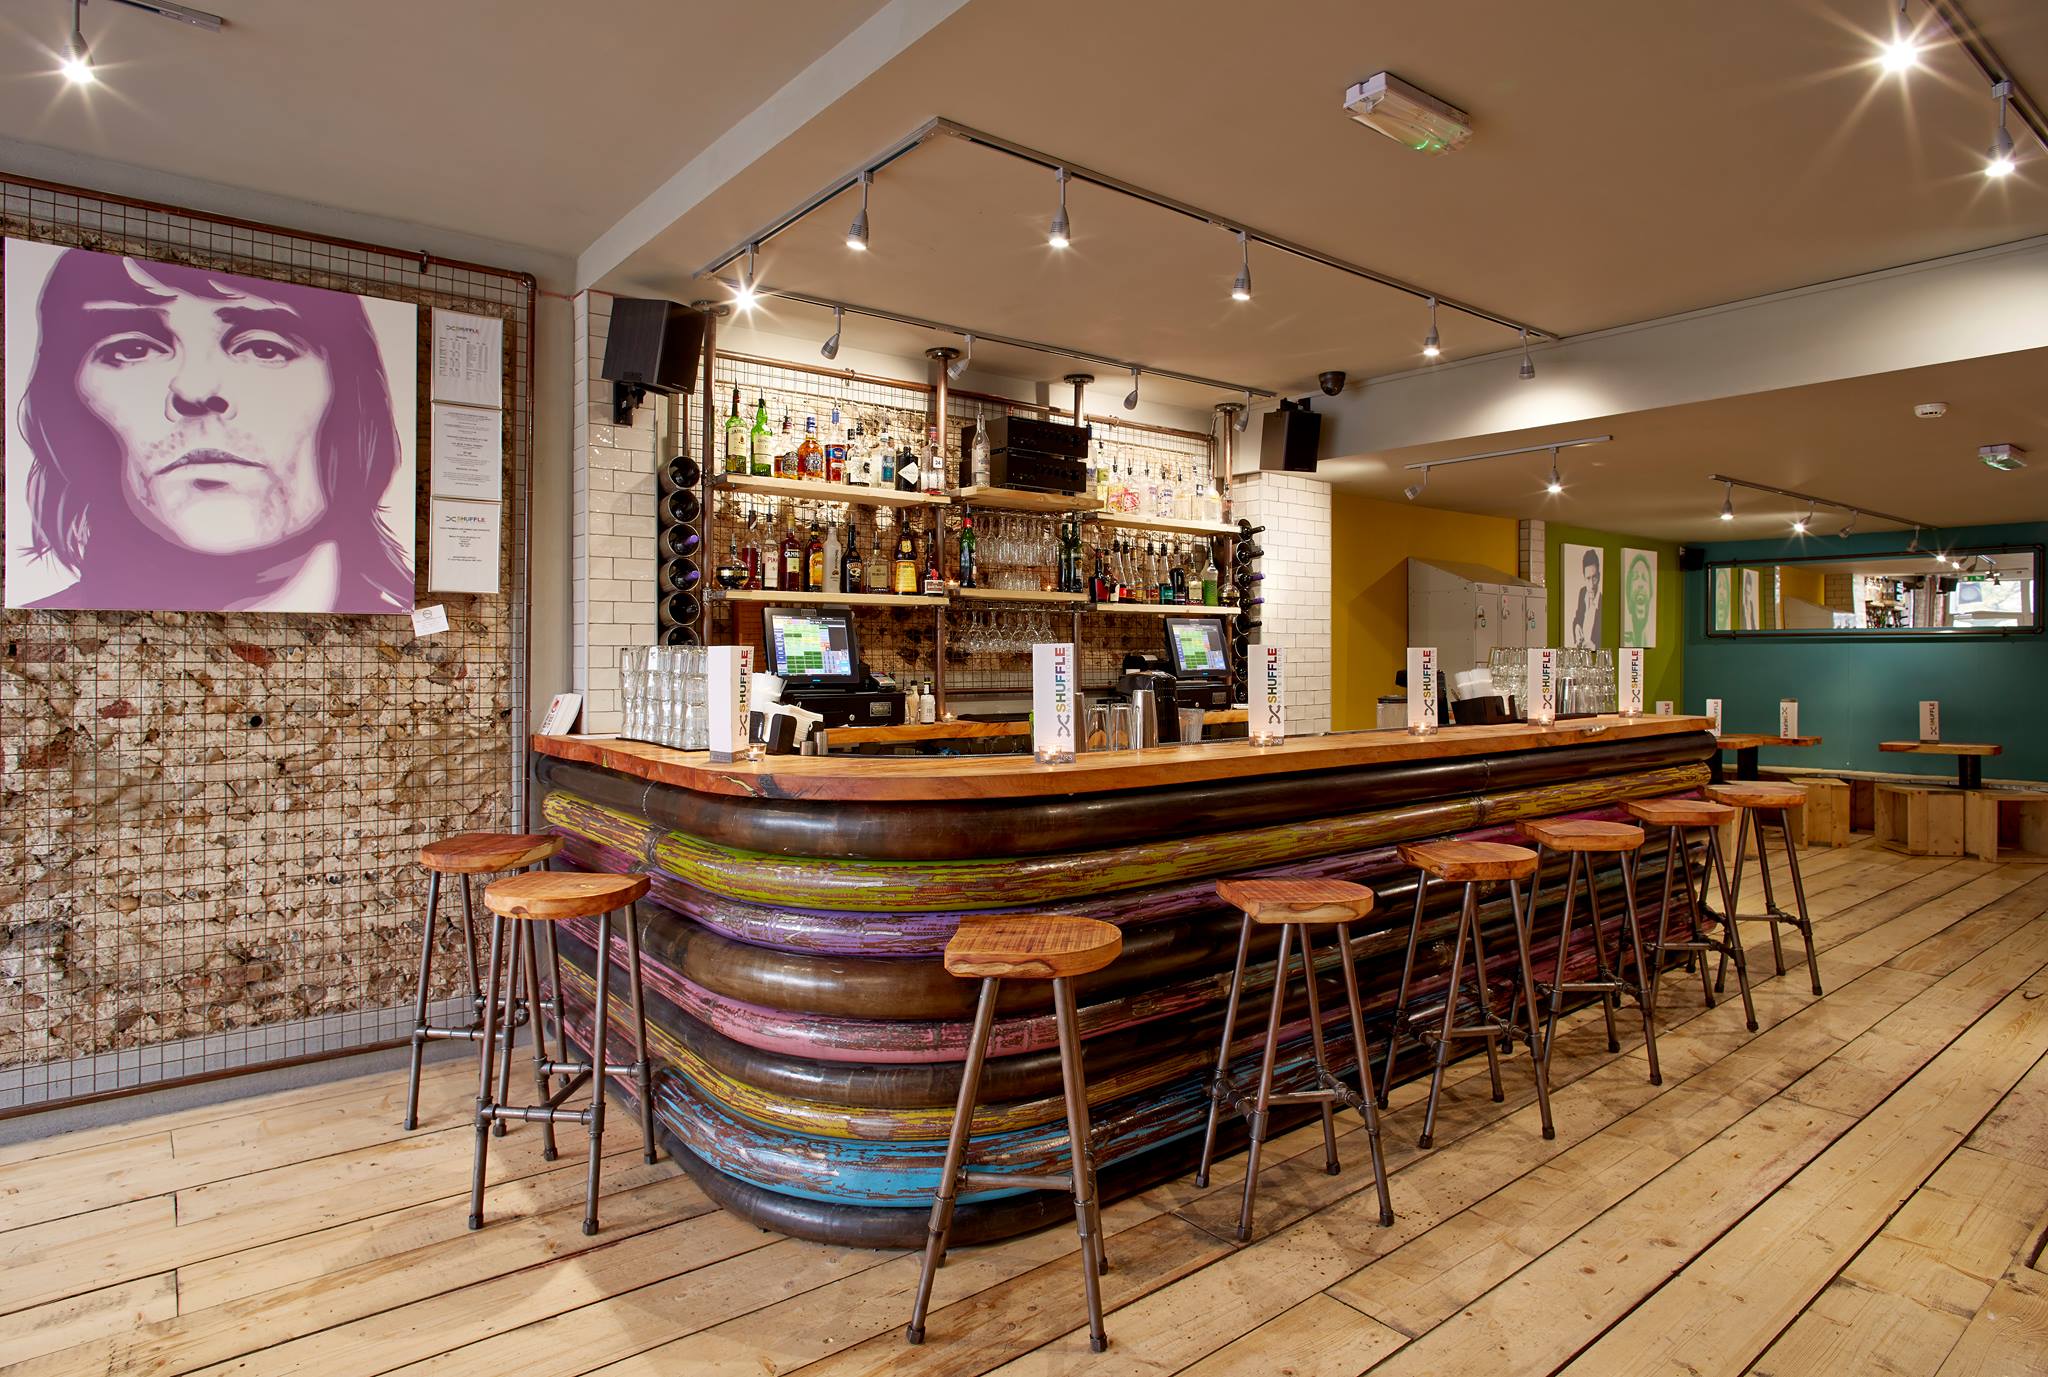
(1407, 981)
(486, 1046)
(1366, 1108)
(1081, 1158)
(941, 1222)
(600, 1029)
(1221, 1091)
(1260, 1115)
(1322, 1059)
(419, 1007)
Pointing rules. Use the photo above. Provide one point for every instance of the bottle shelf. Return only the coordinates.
(1018, 500)
(1016, 595)
(1168, 525)
(834, 599)
(1161, 609)
(810, 491)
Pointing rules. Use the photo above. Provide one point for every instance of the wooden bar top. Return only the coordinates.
(924, 778)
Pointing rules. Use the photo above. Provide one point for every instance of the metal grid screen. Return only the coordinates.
(208, 822)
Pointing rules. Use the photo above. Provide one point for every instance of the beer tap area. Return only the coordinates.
(894, 549)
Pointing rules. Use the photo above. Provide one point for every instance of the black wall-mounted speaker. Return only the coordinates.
(1691, 558)
(653, 344)
(1289, 440)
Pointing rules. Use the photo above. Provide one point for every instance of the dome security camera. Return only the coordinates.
(1331, 382)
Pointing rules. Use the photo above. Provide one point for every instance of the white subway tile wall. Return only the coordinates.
(611, 531)
(1529, 542)
(1295, 510)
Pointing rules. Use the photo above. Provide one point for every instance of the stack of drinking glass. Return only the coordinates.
(664, 691)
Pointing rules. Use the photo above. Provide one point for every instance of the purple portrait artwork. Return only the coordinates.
(180, 439)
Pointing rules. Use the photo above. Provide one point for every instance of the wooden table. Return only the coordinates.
(1746, 745)
(1969, 756)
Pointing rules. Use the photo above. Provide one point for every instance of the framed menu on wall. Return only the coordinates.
(467, 438)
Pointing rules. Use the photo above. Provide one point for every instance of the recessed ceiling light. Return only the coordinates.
(1407, 114)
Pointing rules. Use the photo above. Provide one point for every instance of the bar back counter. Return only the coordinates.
(809, 1043)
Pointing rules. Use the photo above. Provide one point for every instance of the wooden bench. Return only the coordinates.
(1919, 819)
(1824, 821)
(2007, 824)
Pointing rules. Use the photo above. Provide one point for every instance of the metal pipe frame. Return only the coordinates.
(1427, 464)
(1978, 49)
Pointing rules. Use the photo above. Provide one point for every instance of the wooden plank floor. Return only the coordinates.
(1860, 1186)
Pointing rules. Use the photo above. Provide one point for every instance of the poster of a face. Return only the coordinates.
(1581, 569)
(181, 439)
(1752, 600)
(1724, 609)
(1639, 598)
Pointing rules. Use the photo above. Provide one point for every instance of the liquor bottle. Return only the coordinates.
(859, 470)
(835, 555)
(888, 452)
(906, 471)
(927, 705)
(785, 453)
(750, 560)
(979, 469)
(934, 581)
(877, 568)
(1198, 500)
(835, 450)
(792, 560)
(851, 565)
(1212, 579)
(1101, 485)
(967, 551)
(810, 455)
(814, 561)
(736, 458)
(906, 561)
(761, 442)
(934, 464)
(1070, 556)
(733, 572)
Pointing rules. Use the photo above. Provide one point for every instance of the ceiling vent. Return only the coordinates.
(1407, 114)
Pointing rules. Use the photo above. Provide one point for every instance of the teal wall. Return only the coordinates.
(1855, 693)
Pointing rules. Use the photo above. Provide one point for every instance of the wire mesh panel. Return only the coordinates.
(209, 821)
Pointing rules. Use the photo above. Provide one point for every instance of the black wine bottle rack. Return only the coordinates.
(1245, 579)
(679, 544)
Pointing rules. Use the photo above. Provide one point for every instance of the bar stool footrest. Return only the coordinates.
(1007, 1180)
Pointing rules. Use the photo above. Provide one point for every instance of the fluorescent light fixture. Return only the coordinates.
(2004, 458)
(857, 232)
(831, 349)
(1241, 290)
(1431, 345)
(1061, 234)
(1408, 115)
(1131, 402)
(2000, 162)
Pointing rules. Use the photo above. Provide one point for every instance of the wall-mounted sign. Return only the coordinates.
(462, 546)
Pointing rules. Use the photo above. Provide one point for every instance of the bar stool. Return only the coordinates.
(471, 853)
(1584, 839)
(1761, 801)
(1295, 906)
(1680, 816)
(1471, 863)
(1024, 947)
(551, 896)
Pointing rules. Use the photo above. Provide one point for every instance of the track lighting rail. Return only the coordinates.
(1812, 502)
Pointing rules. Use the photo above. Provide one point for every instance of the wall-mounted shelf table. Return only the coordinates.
(1746, 745)
(1969, 756)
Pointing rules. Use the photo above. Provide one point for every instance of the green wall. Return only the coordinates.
(1663, 664)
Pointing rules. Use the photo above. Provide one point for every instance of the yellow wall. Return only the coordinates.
(1371, 543)
(1807, 585)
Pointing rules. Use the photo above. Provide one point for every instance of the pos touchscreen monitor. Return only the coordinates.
(1198, 647)
(812, 647)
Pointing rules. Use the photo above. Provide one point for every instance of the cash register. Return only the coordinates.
(815, 651)
(1198, 656)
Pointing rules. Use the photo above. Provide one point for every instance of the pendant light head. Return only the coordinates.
(76, 64)
(2000, 162)
(1914, 547)
(1131, 402)
(1802, 524)
(1414, 490)
(1241, 290)
(1847, 526)
(857, 232)
(1528, 368)
(1556, 483)
(831, 349)
(1728, 503)
(743, 298)
(1431, 345)
(1061, 234)
(1244, 414)
(959, 365)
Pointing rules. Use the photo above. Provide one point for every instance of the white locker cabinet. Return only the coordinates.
(1467, 611)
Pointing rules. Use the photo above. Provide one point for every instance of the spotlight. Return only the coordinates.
(1728, 503)
(1528, 369)
(743, 298)
(831, 349)
(1414, 490)
(76, 64)
(1131, 402)
(1241, 290)
(959, 365)
(1431, 345)
(1556, 483)
(1847, 526)
(1800, 524)
(857, 232)
(1999, 162)
(1244, 415)
(1902, 54)
(1914, 548)
(1060, 235)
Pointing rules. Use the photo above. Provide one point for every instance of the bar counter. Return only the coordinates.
(809, 1040)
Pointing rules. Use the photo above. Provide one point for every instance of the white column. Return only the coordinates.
(1295, 510)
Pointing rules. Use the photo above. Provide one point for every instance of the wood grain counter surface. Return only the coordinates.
(924, 778)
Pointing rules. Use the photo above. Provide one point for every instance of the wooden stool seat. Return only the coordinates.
(1033, 946)
(1680, 812)
(550, 896)
(482, 853)
(1584, 834)
(1297, 901)
(1468, 861)
(1758, 795)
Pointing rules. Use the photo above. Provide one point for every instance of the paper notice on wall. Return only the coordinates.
(1631, 689)
(469, 358)
(1269, 697)
(1930, 719)
(431, 620)
(1788, 717)
(1054, 704)
(1423, 708)
(462, 546)
(1714, 716)
(1542, 687)
(468, 456)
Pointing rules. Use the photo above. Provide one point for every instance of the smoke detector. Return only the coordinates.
(1931, 411)
(1408, 114)
(2004, 458)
